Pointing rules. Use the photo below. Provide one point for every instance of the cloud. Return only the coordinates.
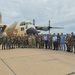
(60, 12)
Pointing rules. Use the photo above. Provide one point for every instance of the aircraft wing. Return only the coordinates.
(57, 27)
(46, 28)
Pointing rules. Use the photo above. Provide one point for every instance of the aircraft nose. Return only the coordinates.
(31, 30)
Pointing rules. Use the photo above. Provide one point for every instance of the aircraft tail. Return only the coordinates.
(0, 18)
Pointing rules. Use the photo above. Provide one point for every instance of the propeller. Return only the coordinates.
(49, 27)
(34, 22)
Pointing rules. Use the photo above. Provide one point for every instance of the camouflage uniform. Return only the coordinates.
(22, 41)
(39, 41)
(68, 42)
(15, 41)
(12, 42)
(72, 40)
(42, 42)
(8, 42)
(36, 37)
(33, 41)
(19, 41)
(26, 41)
(30, 42)
(74, 44)
(50, 41)
(3, 43)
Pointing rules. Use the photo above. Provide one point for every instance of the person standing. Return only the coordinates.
(33, 41)
(36, 37)
(39, 41)
(45, 40)
(8, 42)
(3, 42)
(72, 40)
(55, 44)
(68, 42)
(50, 41)
(58, 40)
(62, 42)
(30, 41)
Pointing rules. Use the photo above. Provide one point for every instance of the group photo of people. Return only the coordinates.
(59, 41)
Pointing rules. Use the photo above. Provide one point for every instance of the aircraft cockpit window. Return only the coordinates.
(22, 23)
(22, 29)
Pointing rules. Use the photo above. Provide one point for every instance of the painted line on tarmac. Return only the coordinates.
(8, 66)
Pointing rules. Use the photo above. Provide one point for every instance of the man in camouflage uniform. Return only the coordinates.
(36, 37)
(50, 41)
(30, 41)
(22, 41)
(3, 42)
(8, 42)
(72, 41)
(33, 41)
(12, 41)
(39, 41)
(67, 41)
(26, 40)
(19, 41)
(15, 41)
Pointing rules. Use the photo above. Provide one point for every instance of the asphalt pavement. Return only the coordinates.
(34, 61)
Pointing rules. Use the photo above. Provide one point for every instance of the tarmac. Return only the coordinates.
(34, 61)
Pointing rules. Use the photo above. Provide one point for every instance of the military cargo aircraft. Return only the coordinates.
(23, 27)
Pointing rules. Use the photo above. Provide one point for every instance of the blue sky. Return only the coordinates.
(59, 12)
